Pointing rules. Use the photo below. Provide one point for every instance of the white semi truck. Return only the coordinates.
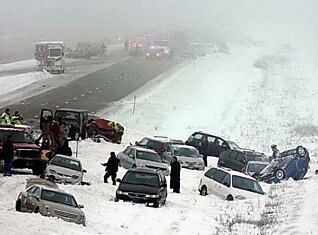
(50, 56)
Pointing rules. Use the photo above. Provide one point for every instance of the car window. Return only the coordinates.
(219, 175)
(211, 139)
(143, 178)
(58, 197)
(218, 141)
(241, 157)
(67, 115)
(143, 142)
(247, 184)
(66, 162)
(127, 151)
(256, 167)
(198, 136)
(225, 154)
(37, 191)
(210, 173)
(188, 152)
(226, 180)
(143, 155)
(17, 137)
(30, 190)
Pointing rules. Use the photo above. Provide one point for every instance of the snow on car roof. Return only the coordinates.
(144, 149)
(68, 157)
(183, 146)
(51, 42)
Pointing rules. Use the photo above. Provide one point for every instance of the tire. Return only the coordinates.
(157, 203)
(300, 150)
(230, 198)
(280, 174)
(18, 206)
(203, 191)
(116, 199)
(83, 135)
(36, 210)
(134, 166)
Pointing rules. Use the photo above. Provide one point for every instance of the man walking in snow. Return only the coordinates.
(111, 168)
(204, 147)
(175, 175)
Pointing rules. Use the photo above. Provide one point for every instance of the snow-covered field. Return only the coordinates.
(220, 94)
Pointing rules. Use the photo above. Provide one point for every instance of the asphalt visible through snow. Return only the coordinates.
(96, 90)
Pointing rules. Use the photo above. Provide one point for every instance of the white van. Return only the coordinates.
(228, 184)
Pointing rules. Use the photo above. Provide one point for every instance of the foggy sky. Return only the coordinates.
(91, 20)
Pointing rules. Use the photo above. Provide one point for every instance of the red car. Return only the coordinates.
(101, 127)
(26, 152)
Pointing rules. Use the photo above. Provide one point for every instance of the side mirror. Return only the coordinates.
(84, 171)
(118, 180)
(80, 206)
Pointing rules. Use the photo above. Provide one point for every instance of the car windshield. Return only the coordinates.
(58, 197)
(17, 137)
(247, 184)
(66, 162)
(66, 115)
(143, 178)
(256, 167)
(188, 152)
(143, 155)
(256, 157)
(233, 145)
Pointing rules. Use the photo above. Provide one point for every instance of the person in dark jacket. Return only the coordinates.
(111, 168)
(204, 147)
(8, 153)
(175, 175)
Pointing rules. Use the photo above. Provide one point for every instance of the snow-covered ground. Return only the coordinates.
(220, 94)
(23, 64)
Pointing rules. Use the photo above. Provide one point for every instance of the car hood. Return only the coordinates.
(63, 170)
(185, 159)
(135, 188)
(152, 163)
(25, 146)
(62, 207)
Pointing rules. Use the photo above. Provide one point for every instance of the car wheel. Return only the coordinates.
(204, 191)
(36, 210)
(230, 198)
(300, 150)
(116, 199)
(18, 206)
(280, 174)
(134, 166)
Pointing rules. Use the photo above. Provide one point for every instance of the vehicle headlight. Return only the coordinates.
(52, 171)
(158, 54)
(121, 192)
(153, 196)
(74, 176)
(147, 54)
(47, 211)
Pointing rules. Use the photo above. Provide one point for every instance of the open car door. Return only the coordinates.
(46, 113)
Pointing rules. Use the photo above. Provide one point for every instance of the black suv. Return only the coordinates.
(75, 119)
(238, 159)
(143, 185)
(216, 144)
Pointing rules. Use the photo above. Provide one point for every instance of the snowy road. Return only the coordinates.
(223, 95)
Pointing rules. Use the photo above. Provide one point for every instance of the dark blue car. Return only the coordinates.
(292, 163)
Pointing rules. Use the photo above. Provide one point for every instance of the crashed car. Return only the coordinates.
(292, 163)
(100, 128)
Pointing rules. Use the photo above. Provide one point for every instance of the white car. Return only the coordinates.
(188, 156)
(228, 184)
(65, 169)
(134, 156)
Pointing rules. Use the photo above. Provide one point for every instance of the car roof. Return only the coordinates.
(72, 110)
(232, 172)
(144, 169)
(12, 129)
(143, 149)
(204, 133)
(50, 188)
(258, 162)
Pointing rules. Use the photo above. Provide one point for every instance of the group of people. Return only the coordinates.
(113, 164)
(6, 118)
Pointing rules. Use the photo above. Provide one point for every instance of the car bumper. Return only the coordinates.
(193, 167)
(30, 163)
(136, 199)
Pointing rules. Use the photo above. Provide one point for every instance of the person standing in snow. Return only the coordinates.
(276, 153)
(111, 168)
(5, 117)
(175, 175)
(204, 147)
(64, 131)
(8, 153)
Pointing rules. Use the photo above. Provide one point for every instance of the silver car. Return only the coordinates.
(188, 156)
(133, 157)
(65, 169)
(50, 201)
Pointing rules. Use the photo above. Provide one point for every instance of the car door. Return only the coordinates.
(195, 140)
(216, 188)
(240, 162)
(232, 159)
(225, 186)
(29, 200)
(131, 160)
(211, 146)
(208, 179)
(46, 113)
(35, 198)
(123, 157)
(25, 198)
(163, 186)
(220, 146)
